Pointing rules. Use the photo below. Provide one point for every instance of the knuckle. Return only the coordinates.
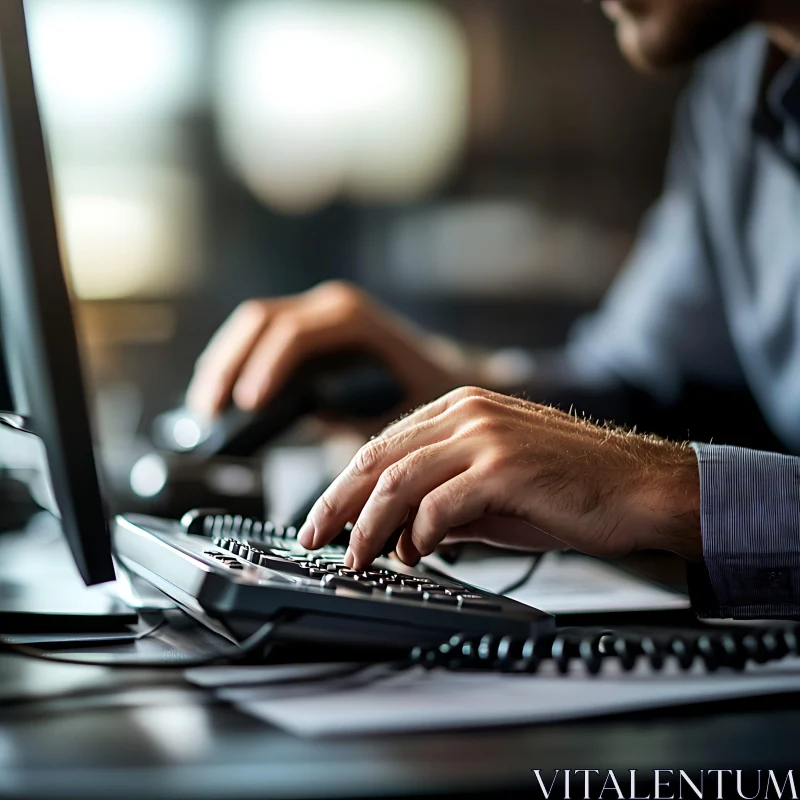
(254, 311)
(289, 327)
(465, 392)
(479, 415)
(358, 537)
(326, 507)
(367, 458)
(473, 405)
(391, 480)
(431, 514)
(484, 426)
(341, 294)
(495, 461)
(480, 405)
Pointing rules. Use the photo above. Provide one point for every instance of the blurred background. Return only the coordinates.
(480, 165)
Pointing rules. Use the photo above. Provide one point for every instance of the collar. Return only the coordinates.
(771, 97)
(783, 100)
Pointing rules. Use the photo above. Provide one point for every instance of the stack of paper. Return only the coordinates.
(378, 699)
(565, 583)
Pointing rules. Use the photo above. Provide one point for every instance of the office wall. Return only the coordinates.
(478, 164)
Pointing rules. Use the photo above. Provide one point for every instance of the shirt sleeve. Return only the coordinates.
(750, 520)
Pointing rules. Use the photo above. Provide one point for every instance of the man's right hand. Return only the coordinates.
(254, 353)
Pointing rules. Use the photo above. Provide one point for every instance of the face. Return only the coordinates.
(661, 33)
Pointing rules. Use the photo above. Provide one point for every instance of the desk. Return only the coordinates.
(105, 733)
(156, 737)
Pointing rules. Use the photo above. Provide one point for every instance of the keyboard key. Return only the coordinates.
(404, 594)
(281, 565)
(317, 573)
(338, 582)
(480, 605)
(442, 599)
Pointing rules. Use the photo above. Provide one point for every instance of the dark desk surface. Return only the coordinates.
(132, 735)
(90, 732)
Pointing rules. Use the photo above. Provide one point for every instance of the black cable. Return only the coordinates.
(520, 582)
(231, 655)
(732, 649)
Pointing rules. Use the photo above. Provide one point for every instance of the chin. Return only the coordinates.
(648, 52)
(656, 34)
(631, 45)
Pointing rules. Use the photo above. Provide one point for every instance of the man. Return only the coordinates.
(711, 297)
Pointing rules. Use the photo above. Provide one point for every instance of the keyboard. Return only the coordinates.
(234, 574)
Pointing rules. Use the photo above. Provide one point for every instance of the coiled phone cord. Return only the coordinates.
(732, 648)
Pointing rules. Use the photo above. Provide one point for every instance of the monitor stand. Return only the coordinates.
(40, 588)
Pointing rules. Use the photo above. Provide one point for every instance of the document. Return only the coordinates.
(378, 700)
(564, 583)
(216, 677)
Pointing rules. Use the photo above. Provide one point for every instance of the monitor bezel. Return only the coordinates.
(39, 340)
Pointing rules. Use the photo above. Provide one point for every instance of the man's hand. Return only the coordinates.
(264, 341)
(479, 465)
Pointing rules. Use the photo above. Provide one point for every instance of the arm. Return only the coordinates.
(477, 465)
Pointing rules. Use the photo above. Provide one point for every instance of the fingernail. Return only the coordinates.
(306, 535)
(247, 396)
(349, 560)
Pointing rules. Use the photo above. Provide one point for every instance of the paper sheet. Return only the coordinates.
(380, 701)
(564, 584)
(216, 677)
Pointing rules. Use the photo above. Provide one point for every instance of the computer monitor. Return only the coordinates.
(39, 343)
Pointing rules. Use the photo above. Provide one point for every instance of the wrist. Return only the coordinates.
(673, 503)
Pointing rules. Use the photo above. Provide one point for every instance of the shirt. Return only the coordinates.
(712, 295)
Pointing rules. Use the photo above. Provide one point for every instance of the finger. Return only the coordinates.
(406, 551)
(344, 499)
(219, 366)
(398, 492)
(462, 500)
(272, 361)
(305, 331)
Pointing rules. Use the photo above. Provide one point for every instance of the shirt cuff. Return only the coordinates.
(750, 520)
